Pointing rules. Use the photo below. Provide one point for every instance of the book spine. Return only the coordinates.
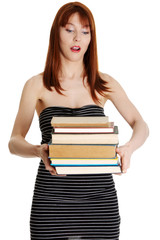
(83, 165)
(82, 150)
(88, 170)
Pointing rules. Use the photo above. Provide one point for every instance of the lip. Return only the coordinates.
(76, 51)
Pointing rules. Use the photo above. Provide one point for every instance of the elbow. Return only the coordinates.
(10, 146)
(141, 124)
(147, 130)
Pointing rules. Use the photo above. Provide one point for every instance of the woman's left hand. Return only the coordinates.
(125, 153)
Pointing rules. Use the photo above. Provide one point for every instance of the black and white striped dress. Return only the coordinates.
(73, 206)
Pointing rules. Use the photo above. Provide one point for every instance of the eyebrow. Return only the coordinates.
(86, 25)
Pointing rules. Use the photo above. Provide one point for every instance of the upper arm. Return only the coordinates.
(121, 101)
(26, 108)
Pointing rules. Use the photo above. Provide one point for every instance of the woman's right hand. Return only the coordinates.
(43, 154)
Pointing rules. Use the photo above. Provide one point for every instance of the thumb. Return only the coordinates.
(46, 147)
(117, 150)
(120, 153)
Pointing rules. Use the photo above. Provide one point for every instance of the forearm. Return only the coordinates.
(139, 135)
(19, 146)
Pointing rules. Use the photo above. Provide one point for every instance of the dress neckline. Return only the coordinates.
(88, 105)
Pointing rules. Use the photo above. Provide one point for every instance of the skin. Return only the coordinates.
(36, 97)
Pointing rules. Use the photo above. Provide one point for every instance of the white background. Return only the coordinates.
(129, 50)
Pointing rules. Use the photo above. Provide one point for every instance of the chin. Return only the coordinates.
(75, 58)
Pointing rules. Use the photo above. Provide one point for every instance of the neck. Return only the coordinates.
(71, 70)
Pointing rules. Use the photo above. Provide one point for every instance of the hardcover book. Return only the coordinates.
(84, 145)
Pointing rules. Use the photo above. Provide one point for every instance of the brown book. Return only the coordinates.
(82, 151)
(87, 138)
(79, 121)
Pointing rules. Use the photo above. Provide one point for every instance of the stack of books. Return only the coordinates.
(84, 145)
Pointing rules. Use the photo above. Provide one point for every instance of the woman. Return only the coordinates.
(73, 206)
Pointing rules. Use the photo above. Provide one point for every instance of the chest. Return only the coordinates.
(74, 95)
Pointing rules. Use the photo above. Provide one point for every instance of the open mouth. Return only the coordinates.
(75, 49)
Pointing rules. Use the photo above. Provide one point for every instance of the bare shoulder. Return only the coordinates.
(110, 81)
(113, 85)
(34, 85)
(35, 82)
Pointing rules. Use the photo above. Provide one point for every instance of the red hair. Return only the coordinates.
(53, 63)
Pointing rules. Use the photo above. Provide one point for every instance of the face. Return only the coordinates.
(74, 39)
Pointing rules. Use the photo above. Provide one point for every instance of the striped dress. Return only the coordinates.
(73, 207)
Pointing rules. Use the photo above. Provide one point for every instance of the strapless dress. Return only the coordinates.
(77, 206)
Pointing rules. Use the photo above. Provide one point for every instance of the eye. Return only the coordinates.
(85, 33)
(68, 30)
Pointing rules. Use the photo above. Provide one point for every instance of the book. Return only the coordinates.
(82, 150)
(84, 161)
(88, 170)
(110, 138)
(84, 145)
(79, 121)
(108, 128)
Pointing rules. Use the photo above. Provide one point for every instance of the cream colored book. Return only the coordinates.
(79, 121)
(109, 128)
(84, 161)
(90, 138)
(88, 170)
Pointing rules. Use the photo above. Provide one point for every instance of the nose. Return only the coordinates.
(77, 36)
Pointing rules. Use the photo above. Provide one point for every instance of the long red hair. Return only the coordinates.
(53, 63)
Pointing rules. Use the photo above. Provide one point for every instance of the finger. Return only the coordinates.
(48, 165)
(50, 168)
(61, 175)
(124, 166)
(122, 163)
(119, 174)
(121, 154)
(53, 172)
(46, 147)
(117, 150)
(124, 171)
